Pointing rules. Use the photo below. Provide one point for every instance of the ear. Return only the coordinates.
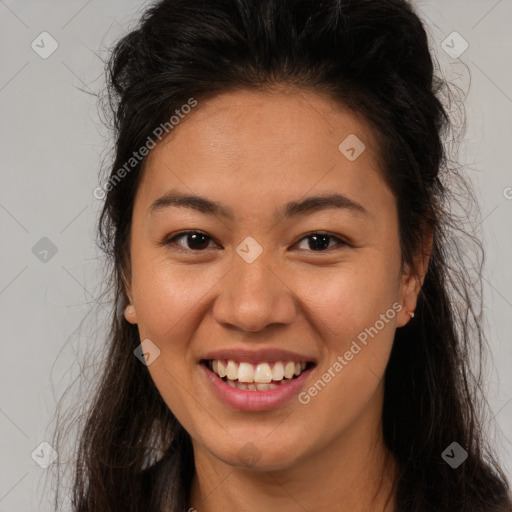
(413, 277)
(129, 313)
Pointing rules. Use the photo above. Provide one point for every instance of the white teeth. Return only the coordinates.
(232, 370)
(245, 372)
(255, 374)
(289, 370)
(263, 374)
(278, 371)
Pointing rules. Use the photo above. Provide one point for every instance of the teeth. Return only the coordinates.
(245, 372)
(261, 376)
(252, 386)
(289, 370)
(232, 370)
(278, 371)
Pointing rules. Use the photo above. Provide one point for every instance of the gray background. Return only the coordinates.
(52, 146)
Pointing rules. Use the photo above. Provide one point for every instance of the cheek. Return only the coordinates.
(355, 311)
(357, 344)
(169, 302)
(164, 294)
(345, 300)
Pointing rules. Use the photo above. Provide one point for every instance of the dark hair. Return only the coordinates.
(372, 57)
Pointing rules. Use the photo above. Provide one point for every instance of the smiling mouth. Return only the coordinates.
(262, 376)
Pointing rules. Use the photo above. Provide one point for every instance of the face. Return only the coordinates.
(268, 280)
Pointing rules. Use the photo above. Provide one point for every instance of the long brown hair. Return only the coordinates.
(372, 57)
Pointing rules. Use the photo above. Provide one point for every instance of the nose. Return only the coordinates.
(255, 295)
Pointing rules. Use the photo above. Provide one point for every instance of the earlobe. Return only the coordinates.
(413, 279)
(411, 287)
(130, 314)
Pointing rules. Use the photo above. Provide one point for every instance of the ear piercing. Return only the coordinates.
(411, 314)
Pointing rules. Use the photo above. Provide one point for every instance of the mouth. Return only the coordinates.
(258, 377)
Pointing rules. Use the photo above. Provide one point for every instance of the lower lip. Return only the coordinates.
(254, 400)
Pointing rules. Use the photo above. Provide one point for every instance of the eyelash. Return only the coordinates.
(171, 241)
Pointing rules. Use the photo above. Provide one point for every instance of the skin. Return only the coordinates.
(253, 152)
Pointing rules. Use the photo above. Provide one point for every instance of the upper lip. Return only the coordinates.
(258, 356)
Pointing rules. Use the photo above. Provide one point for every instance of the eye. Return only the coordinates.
(320, 242)
(198, 241)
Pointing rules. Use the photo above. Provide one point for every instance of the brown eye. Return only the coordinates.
(320, 242)
(196, 240)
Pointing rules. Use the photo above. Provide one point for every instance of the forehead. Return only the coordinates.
(251, 147)
(238, 123)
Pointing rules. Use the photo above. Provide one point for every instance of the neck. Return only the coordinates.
(354, 474)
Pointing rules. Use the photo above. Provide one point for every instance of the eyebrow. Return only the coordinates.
(306, 206)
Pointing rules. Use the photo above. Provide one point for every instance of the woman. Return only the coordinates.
(290, 331)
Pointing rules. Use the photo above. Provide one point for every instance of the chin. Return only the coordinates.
(258, 454)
